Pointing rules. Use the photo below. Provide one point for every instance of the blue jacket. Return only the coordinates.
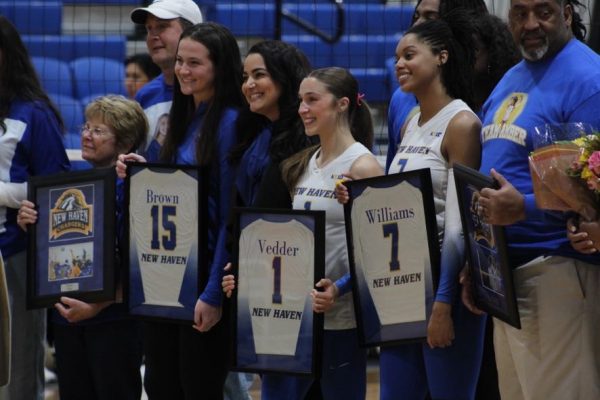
(32, 145)
(222, 175)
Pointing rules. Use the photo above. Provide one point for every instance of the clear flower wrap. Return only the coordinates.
(564, 167)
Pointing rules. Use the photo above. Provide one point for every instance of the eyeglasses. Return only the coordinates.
(96, 132)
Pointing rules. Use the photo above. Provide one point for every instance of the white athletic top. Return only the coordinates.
(161, 269)
(284, 257)
(421, 148)
(316, 191)
(394, 276)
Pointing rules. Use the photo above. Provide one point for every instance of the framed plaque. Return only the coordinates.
(279, 257)
(166, 239)
(393, 250)
(71, 248)
(491, 275)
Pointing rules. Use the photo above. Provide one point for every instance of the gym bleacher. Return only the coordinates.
(78, 46)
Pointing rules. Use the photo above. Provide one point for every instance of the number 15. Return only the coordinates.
(169, 242)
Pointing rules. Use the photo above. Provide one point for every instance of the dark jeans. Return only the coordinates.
(99, 361)
(182, 363)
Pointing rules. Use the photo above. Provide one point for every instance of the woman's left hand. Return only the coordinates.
(205, 316)
(341, 191)
(74, 310)
(324, 300)
(440, 330)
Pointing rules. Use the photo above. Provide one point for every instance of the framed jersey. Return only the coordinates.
(166, 240)
(279, 257)
(393, 251)
(491, 275)
(71, 249)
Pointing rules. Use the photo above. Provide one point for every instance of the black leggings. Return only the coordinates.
(99, 361)
(182, 363)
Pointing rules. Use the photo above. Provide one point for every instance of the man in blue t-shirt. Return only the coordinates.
(164, 22)
(557, 288)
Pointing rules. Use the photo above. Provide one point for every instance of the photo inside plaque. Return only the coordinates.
(72, 246)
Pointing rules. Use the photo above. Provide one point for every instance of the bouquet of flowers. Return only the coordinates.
(565, 168)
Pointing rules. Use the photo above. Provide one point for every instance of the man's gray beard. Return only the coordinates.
(536, 54)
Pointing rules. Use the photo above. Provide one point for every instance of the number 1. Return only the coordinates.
(277, 280)
(391, 229)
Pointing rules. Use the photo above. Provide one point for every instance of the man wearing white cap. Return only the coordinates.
(164, 21)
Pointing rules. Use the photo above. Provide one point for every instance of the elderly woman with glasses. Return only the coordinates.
(98, 348)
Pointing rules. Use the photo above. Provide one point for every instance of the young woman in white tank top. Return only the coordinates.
(432, 63)
(332, 109)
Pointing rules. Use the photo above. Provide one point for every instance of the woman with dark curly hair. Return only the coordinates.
(435, 63)
(269, 128)
(495, 53)
(404, 105)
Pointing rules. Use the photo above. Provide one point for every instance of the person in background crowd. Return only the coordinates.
(98, 347)
(139, 70)
(30, 144)
(183, 361)
(495, 53)
(556, 287)
(164, 22)
(162, 127)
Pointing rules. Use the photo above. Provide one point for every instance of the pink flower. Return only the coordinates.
(594, 163)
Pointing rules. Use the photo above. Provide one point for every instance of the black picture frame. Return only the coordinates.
(76, 220)
(391, 225)
(485, 245)
(166, 240)
(274, 329)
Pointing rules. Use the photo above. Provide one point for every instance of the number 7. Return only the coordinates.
(402, 163)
